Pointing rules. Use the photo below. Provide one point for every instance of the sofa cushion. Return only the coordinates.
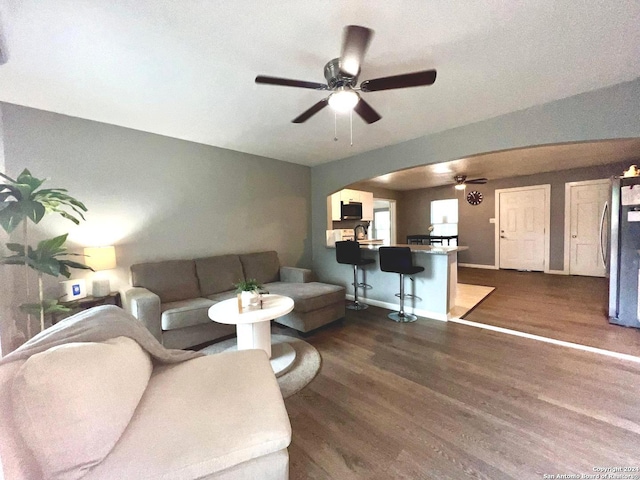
(171, 280)
(218, 274)
(219, 297)
(199, 417)
(308, 296)
(185, 313)
(71, 403)
(263, 266)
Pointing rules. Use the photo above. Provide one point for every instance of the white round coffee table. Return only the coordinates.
(253, 327)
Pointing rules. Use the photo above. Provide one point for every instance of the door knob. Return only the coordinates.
(502, 236)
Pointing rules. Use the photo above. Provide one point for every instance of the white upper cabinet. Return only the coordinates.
(367, 205)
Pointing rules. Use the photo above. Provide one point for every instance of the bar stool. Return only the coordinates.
(398, 260)
(348, 253)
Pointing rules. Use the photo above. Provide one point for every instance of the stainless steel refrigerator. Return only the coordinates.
(624, 252)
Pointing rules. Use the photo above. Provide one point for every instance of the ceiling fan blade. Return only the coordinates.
(367, 113)
(354, 45)
(306, 115)
(477, 181)
(287, 82)
(415, 79)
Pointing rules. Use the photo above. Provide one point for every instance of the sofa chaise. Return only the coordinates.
(171, 298)
(96, 397)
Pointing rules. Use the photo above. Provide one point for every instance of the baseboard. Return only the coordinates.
(476, 265)
(493, 267)
(394, 307)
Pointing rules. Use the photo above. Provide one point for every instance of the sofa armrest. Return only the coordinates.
(145, 306)
(296, 275)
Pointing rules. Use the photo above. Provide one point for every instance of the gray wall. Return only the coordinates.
(601, 114)
(474, 228)
(6, 287)
(155, 197)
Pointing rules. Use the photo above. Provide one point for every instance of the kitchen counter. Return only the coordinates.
(428, 249)
(435, 288)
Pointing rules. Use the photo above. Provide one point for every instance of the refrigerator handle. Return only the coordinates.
(602, 218)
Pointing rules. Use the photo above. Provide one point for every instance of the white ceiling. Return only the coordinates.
(186, 68)
(509, 163)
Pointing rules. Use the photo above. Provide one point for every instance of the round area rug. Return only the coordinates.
(305, 367)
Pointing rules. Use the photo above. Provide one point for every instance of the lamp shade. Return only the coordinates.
(100, 258)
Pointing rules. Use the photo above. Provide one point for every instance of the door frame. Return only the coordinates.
(547, 220)
(567, 215)
(392, 216)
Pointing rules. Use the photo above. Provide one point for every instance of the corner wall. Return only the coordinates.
(156, 197)
(607, 113)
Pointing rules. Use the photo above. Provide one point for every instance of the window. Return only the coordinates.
(382, 225)
(444, 217)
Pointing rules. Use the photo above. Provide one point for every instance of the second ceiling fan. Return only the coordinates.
(462, 182)
(342, 79)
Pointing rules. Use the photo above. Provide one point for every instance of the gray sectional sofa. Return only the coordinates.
(171, 298)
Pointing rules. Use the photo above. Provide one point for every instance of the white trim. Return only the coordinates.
(547, 220)
(395, 306)
(562, 343)
(567, 216)
(476, 265)
(392, 216)
(558, 272)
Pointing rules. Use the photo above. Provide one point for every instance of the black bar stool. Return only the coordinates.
(399, 260)
(348, 253)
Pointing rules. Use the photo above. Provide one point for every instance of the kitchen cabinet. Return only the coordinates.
(367, 205)
(350, 196)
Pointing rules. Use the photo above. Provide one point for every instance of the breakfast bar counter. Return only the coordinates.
(435, 288)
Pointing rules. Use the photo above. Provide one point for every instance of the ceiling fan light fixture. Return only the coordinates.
(343, 100)
(460, 186)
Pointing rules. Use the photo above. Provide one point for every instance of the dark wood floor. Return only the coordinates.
(435, 400)
(569, 308)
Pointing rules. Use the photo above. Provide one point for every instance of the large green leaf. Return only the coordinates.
(17, 260)
(11, 216)
(16, 247)
(49, 266)
(44, 257)
(33, 210)
(72, 264)
(33, 203)
(52, 245)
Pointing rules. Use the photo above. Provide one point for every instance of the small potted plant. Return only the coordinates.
(249, 291)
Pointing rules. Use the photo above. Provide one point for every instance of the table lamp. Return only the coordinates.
(100, 258)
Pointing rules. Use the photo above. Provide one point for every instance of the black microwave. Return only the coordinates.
(350, 211)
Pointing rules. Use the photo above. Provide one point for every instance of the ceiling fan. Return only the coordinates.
(462, 182)
(342, 78)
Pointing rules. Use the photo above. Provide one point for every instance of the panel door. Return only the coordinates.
(586, 217)
(522, 229)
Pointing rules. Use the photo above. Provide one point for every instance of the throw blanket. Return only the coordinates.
(97, 325)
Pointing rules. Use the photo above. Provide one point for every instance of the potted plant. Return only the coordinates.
(249, 291)
(21, 200)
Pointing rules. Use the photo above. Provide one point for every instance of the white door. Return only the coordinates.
(586, 210)
(522, 229)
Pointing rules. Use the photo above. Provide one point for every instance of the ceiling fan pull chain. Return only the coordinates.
(335, 126)
(351, 125)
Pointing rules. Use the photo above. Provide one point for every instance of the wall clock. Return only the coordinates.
(474, 198)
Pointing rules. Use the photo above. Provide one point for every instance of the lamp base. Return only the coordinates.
(100, 288)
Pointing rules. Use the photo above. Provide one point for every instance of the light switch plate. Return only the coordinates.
(633, 216)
